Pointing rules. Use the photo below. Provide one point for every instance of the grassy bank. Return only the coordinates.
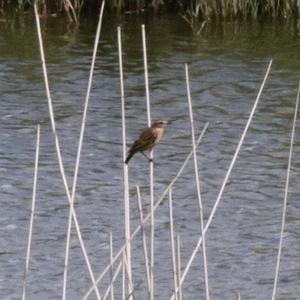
(193, 11)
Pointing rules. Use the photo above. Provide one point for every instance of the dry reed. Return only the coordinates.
(144, 239)
(111, 255)
(286, 195)
(172, 242)
(220, 194)
(58, 152)
(178, 276)
(146, 219)
(36, 164)
(75, 177)
(197, 180)
(152, 220)
(125, 169)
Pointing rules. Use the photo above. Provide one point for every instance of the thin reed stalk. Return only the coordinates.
(172, 242)
(72, 10)
(125, 169)
(130, 286)
(80, 143)
(36, 165)
(210, 9)
(111, 255)
(286, 195)
(113, 279)
(197, 180)
(178, 267)
(146, 75)
(58, 152)
(152, 221)
(146, 219)
(123, 277)
(226, 176)
(144, 239)
(119, 253)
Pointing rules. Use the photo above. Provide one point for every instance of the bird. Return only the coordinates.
(148, 138)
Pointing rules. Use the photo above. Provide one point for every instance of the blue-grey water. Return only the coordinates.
(227, 64)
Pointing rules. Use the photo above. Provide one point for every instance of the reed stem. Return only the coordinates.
(113, 279)
(36, 164)
(123, 277)
(75, 177)
(152, 220)
(197, 180)
(146, 219)
(144, 239)
(58, 152)
(172, 242)
(287, 182)
(125, 169)
(178, 267)
(187, 267)
(111, 255)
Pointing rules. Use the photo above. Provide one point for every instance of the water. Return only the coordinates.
(227, 65)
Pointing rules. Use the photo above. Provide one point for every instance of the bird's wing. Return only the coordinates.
(148, 138)
(145, 141)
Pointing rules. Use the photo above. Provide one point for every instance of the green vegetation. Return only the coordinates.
(195, 12)
(198, 11)
(232, 9)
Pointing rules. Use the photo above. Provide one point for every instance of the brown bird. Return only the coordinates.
(148, 139)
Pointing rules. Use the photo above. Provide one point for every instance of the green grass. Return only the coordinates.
(199, 10)
(194, 12)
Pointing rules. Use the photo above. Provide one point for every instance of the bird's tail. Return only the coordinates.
(130, 154)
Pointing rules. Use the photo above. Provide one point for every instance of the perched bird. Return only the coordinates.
(148, 139)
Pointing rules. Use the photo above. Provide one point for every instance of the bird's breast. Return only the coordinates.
(158, 132)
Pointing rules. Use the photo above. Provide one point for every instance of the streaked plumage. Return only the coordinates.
(148, 139)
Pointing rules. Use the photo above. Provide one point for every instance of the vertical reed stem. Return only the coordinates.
(159, 201)
(187, 267)
(125, 169)
(144, 238)
(36, 164)
(130, 286)
(58, 152)
(197, 180)
(123, 277)
(172, 240)
(113, 279)
(152, 221)
(111, 254)
(286, 195)
(97, 37)
(178, 268)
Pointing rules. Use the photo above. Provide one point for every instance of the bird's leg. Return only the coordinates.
(150, 159)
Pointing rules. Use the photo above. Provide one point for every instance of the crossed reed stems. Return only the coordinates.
(121, 260)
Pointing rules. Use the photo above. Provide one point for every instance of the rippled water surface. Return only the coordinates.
(227, 65)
